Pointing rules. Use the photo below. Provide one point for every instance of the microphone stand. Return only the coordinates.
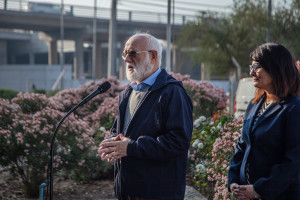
(50, 164)
(101, 89)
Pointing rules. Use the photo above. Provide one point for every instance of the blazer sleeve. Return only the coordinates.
(177, 132)
(285, 173)
(236, 162)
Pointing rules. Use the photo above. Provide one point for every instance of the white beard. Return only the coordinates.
(141, 70)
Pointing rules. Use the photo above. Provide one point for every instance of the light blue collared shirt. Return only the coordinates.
(148, 81)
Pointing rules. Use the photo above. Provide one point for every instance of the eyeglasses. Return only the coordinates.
(254, 67)
(132, 54)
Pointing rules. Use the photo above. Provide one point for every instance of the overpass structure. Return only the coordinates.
(79, 27)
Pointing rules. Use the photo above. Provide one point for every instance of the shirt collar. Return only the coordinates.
(148, 81)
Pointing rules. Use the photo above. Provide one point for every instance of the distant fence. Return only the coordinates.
(104, 13)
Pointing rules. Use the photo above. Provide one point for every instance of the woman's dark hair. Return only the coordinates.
(280, 65)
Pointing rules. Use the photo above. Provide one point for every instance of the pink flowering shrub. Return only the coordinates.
(223, 149)
(27, 124)
(28, 121)
(212, 146)
(207, 100)
(206, 131)
(30, 102)
(105, 114)
(71, 97)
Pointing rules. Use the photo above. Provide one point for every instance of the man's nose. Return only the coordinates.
(127, 58)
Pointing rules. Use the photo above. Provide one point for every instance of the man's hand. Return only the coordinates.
(249, 191)
(237, 191)
(243, 192)
(113, 148)
(103, 155)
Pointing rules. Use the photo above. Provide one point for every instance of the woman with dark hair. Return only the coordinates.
(266, 163)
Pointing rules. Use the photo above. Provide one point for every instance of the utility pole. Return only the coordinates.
(168, 50)
(61, 38)
(270, 22)
(238, 67)
(173, 57)
(202, 72)
(111, 71)
(94, 55)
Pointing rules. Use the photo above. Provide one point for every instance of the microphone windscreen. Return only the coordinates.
(104, 87)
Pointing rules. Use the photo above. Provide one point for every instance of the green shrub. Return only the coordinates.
(51, 93)
(39, 91)
(7, 94)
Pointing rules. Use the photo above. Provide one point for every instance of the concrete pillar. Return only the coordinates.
(112, 40)
(78, 60)
(122, 70)
(52, 53)
(99, 73)
(95, 44)
(31, 58)
(174, 59)
(5, 4)
(3, 52)
(13, 59)
(168, 36)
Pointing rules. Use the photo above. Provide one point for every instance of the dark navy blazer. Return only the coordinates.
(271, 146)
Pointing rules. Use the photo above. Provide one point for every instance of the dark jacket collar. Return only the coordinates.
(162, 79)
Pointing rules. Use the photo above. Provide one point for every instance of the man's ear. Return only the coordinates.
(153, 55)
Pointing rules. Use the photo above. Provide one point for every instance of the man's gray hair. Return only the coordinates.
(152, 44)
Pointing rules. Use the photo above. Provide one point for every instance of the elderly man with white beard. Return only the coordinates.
(151, 136)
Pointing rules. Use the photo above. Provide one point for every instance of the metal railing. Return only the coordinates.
(104, 13)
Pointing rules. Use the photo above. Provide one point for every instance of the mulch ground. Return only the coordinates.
(10, 189)
(65, 189)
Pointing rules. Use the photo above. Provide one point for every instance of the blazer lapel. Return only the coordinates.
(254, 113)
(123, 105)
(273, 108)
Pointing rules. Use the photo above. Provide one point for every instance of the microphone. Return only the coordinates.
(101, 89)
